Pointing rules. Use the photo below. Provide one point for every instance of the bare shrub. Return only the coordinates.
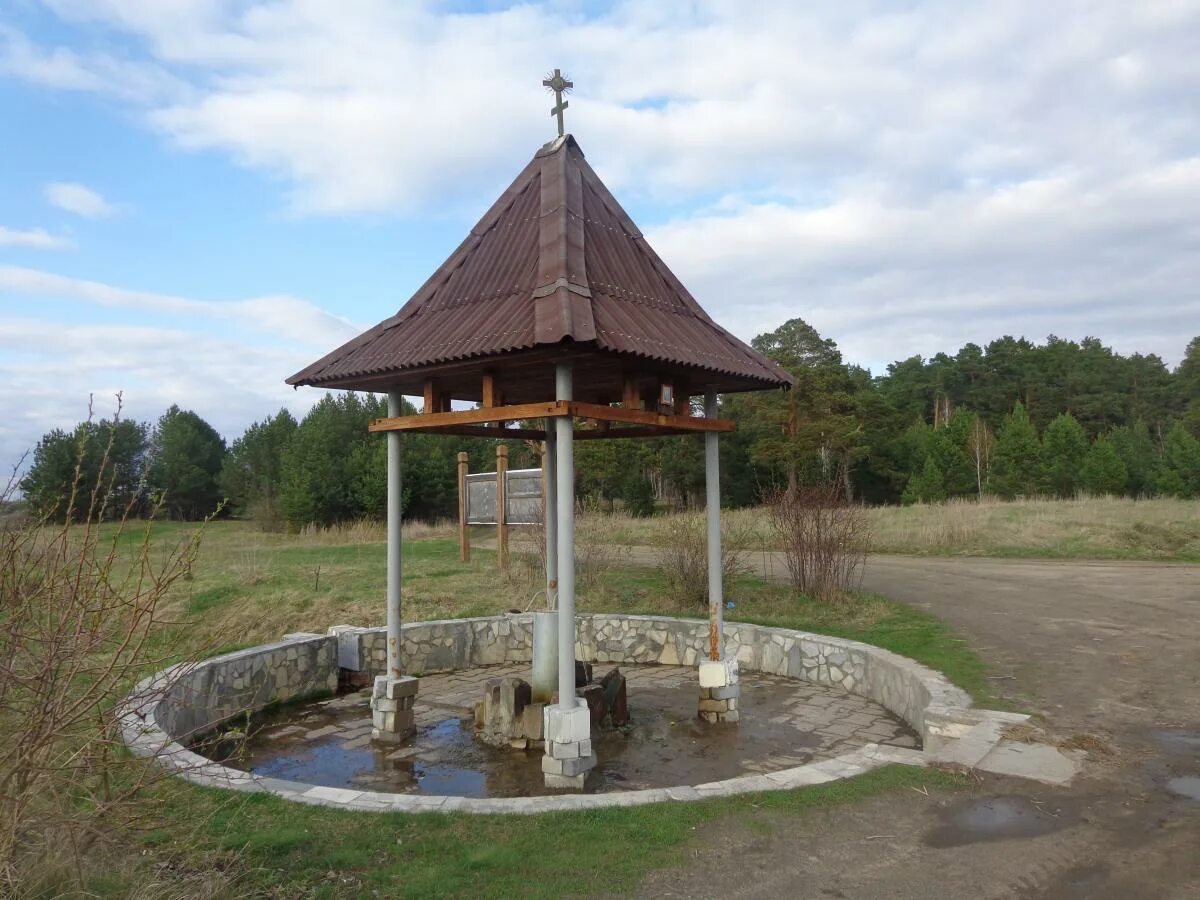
(823, 538)
(373, 531)
(253, 564)
(82, 617)
(596, 550)
(684, 558)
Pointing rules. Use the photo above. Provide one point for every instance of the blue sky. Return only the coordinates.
(198, 197)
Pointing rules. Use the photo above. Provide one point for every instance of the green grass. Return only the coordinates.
(249, 588)
(285, 849)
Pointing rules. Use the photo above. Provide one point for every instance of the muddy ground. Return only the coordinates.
(1107, 657)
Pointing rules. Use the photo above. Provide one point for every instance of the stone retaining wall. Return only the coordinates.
(205, 694)
(905, 687)
(193, 698)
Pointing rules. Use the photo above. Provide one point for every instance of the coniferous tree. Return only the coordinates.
(252, 476)
(1139, 456)
(1102, 472)
(1017, 459)
(1187, 379)
(186, 456)
(322, 463)
(1064, 446)
(926, 485)
(48, 483)
(1179, 469)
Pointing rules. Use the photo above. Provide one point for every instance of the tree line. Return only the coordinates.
(1012, 419)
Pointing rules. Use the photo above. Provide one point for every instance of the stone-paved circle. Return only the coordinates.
(176, 705)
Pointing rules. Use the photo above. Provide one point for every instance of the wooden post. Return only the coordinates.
(464, 543)
(502, 506)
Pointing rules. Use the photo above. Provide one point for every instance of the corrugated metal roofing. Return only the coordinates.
(555, 259)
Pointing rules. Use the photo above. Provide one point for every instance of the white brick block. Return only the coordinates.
(568, 726)
(717, 673)
(404, 686)
(348, 646)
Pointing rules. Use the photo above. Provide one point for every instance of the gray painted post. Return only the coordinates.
(549, 469)
(565, 504)
(712, 490)
(394, 497)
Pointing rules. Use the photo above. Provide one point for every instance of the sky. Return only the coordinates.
(199, 197)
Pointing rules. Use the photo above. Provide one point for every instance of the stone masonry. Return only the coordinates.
(392, 701)
(719, 690)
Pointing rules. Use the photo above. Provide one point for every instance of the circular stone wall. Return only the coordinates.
(190, 700)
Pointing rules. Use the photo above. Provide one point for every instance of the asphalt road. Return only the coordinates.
(1107, 656)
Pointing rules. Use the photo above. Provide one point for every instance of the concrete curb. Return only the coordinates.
(952, 731)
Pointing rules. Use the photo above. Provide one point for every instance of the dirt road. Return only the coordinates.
(1108, 656)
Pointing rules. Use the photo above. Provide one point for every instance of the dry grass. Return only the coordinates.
(1097, 527)
(1094, 527)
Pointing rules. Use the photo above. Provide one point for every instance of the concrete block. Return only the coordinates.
(727, 692)
(564, 782)
(404, 686)
(567, 725)
(533, 721)
(581, 765)
(348, 644)
(718, 672)
(563, 751)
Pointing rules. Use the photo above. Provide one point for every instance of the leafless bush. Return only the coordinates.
(373, 531)
(823, 537)
(82, 617)
(685, 557)
(253, 564)
(596, 550)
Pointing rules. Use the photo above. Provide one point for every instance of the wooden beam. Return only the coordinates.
(647, 417)
(430, 402)
(631, 431)
(486, 431)
(631, 398)
(491, 395)
(474, 416)
(502, 506)
(464, 535)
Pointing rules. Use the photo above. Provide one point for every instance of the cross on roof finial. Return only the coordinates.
(559, 85)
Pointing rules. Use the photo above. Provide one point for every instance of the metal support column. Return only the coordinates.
(712, 489)
(565, 504)
(549, 474)
(394, 497)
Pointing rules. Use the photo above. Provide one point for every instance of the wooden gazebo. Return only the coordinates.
(553, 311)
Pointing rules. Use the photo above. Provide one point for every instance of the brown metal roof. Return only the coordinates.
(555, 264)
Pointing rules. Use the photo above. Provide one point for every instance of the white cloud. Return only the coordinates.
(224, 359)
(61, 68)
(34, 238)
(79, 199)
(905, 177)
(270, 318)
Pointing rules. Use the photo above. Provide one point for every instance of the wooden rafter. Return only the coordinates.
(458, 421)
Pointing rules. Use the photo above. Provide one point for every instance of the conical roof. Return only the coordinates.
(555, 270)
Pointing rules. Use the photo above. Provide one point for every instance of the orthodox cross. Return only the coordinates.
(560, 86)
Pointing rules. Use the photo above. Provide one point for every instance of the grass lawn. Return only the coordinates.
(1088, 528)
(248, 587)
(283, 849)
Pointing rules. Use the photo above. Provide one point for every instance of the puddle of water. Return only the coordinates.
(990, 819)
(1187, 786)
(328, 743)
(1176, 740)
